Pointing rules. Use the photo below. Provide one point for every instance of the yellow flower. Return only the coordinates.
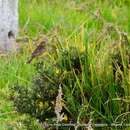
(57, 71)
(65, 118)
(40, 105)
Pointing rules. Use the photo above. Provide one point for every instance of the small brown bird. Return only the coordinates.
(38, 51)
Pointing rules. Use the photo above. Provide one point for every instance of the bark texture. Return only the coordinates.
(8, 24)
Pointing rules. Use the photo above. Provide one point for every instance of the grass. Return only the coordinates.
(73, 22)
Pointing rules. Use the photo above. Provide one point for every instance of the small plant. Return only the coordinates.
(59, 106)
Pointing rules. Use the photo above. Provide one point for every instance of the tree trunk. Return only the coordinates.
(8, 24)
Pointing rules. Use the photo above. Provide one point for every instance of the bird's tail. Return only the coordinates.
(29, 61)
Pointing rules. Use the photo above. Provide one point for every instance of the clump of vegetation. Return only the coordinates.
(89, 91)
(39, 99)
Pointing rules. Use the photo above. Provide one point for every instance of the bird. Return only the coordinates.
(38, 51)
